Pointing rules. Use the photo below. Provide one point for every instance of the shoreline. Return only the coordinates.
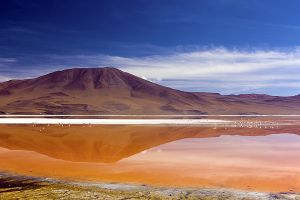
(112, 121)
(20, 186)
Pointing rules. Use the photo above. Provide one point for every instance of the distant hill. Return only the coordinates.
(112, 91)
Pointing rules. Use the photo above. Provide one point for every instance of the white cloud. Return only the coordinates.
(4, 78)
(216, 69)
(210, 63)
(4, 65)
(211, 70)
(7, 60)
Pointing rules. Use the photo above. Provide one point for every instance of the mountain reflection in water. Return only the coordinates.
(248, 158)
(108, 143)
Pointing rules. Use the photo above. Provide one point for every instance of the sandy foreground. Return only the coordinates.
(27, 187)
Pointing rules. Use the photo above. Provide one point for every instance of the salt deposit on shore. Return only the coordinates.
(113, 121)
(58, 189)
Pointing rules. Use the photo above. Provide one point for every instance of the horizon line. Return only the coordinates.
(154, 115)
(59, 121)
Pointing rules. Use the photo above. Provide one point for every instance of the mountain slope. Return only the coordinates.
(112, 91)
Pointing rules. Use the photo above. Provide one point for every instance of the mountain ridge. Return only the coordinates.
(111, 91)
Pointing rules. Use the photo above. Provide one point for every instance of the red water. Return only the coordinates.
(158, 155)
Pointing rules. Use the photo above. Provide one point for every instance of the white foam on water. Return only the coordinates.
(112, 121)
(245, 115)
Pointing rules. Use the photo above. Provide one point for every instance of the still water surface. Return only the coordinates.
(262, 159)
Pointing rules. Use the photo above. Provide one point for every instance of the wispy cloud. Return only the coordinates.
(16, 29)
(7, 60)
(215, 69)
(284, 26)
(220, 70)
(4, 78)
(208, 63)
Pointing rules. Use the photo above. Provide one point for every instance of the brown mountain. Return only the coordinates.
(112, 91)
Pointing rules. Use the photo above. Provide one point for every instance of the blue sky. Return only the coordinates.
(225, 46)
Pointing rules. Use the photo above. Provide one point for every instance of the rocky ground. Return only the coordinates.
(24, 187)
